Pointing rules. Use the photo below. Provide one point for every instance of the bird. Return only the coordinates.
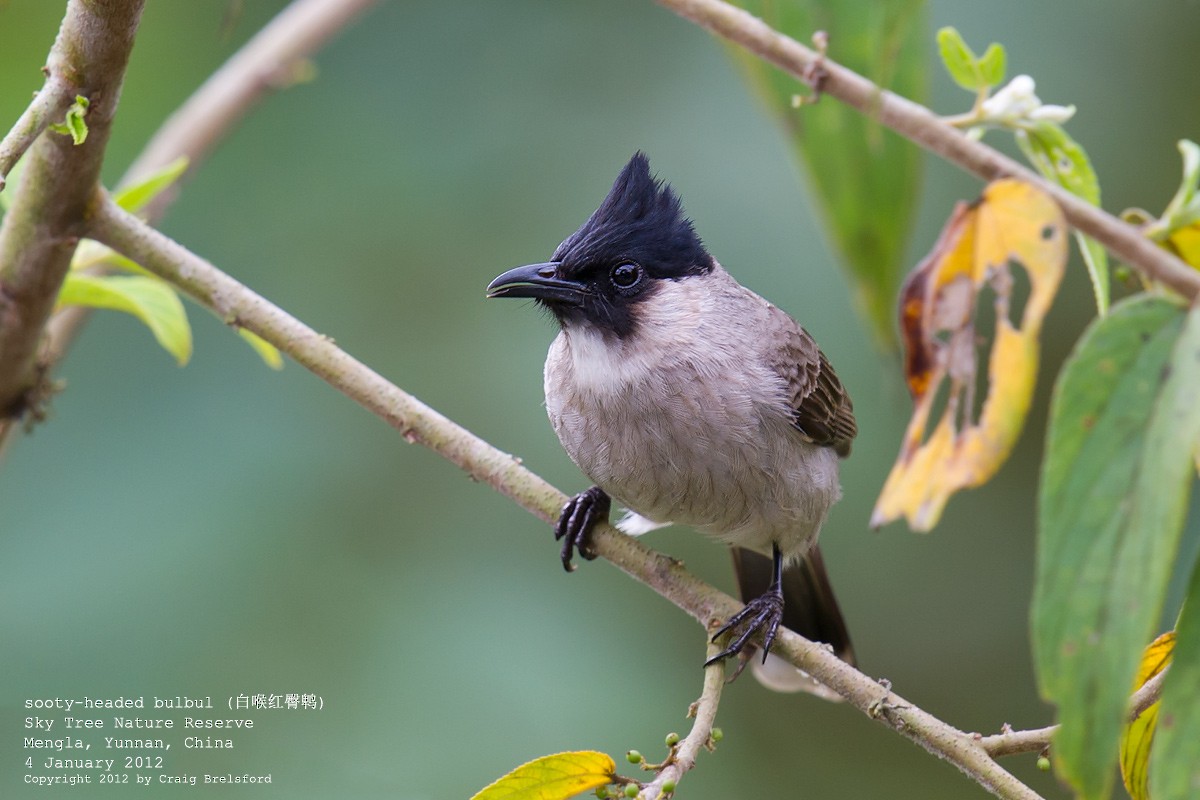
(689, 399)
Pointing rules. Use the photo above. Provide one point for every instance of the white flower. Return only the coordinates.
(1016, 104)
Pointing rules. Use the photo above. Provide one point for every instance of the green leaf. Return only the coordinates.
(151, 300)
(1115, 480)
(134, 198)
(865, 178)
(73, 124)
(959, 59)
(1175, 758)
(1060, 159)
(1185, 195)
(554, 777)
(266, 351)
(969, 71)
(992, 65)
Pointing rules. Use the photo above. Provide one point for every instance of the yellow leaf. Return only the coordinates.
(1012, 222)
(1185, 242)
(554, 777)
(266, 351)
(1139, 734)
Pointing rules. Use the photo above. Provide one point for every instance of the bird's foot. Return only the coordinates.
(576, 522)
(763, 613)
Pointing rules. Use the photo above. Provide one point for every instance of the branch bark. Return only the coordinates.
(921, 126)
(43, 226)
(49, 104)
(418, 423)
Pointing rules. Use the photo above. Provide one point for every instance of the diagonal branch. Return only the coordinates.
(266, 63)
(921, 126)
(43, 226)
(48, 105)
(418, 423)
(260, 66)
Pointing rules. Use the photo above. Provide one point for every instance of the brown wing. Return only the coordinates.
(823, 411)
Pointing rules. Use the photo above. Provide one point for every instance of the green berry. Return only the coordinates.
(717, 735)
(634, 757)
(672, 739)
(668, 787)
(631, 790)
(1043, 763)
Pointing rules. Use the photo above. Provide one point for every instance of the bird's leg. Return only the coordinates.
(762, 613)
(579, 516)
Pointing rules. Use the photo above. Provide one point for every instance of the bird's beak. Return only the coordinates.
(539, 281)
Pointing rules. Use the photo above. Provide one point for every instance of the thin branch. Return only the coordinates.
(1008, 743)
(1012, 742)
(683, 755)
(921, 126)
(266, 63)
(1149, 694)
(41, 229)
(418, 423)
(263, 64)
(49, 104)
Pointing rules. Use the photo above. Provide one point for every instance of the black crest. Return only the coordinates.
(641, 220)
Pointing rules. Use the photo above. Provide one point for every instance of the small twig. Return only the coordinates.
(1012, 742)
(923, 127)
(418, 423)
(683, 755)
(1146, 696)
(48, 105)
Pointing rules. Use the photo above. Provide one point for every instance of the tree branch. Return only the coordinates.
(266, 63)
(921, 126)
(683, 755)
(1010, 742)
(418, 423)
(48, 105)
(43, 226)
(261, 65)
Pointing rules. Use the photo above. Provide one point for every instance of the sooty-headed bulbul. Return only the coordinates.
(689, 399)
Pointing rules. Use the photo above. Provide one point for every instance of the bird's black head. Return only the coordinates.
(637, 238)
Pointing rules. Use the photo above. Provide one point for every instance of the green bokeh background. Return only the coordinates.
(224, 529)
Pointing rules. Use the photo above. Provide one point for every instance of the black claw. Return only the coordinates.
(763, 613)
(574, 527)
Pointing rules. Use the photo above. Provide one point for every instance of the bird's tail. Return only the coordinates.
(809, 609)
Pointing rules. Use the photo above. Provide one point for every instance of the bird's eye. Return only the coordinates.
(626, 276)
